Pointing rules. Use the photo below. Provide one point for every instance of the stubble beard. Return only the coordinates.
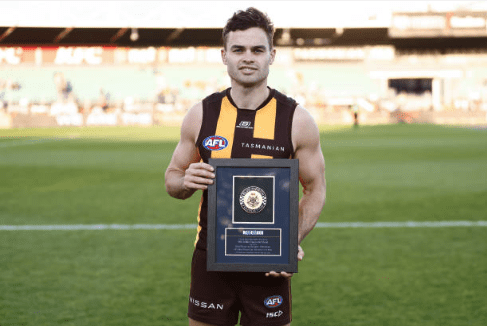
(251, 82)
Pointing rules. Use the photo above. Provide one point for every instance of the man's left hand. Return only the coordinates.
(285, 274)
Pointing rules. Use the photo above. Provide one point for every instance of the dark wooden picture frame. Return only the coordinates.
(260, 253)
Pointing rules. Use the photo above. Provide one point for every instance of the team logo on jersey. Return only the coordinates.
(245, 125)
(273, 301)
(215, 143)
(253, 199)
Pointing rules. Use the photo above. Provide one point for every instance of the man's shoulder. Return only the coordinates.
(195, 113)
(303, 116)
(217, 96)
(304, 129)
(283, 98)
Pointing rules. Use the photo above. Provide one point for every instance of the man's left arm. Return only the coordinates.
(306, 141)
(307, 148)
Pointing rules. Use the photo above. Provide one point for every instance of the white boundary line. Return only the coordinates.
(75, 227)
(408, 224)
(24, 142)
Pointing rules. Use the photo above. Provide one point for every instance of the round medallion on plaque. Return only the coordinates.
(253, 199)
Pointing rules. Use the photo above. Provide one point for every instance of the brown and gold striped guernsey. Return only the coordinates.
(261, 133)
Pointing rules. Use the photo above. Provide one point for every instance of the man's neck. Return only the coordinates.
(249, 98)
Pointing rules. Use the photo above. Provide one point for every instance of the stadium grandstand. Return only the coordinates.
(423, 63)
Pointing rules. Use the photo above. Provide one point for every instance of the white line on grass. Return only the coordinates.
(16, 143)
(408, 224)
(74, 227)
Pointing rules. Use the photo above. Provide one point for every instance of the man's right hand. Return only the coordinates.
(198, 176)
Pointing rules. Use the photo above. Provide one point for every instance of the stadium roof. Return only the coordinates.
(191, 23)
(56, 36)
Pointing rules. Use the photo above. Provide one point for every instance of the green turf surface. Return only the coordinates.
(429, 276)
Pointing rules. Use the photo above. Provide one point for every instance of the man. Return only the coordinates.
(247, 114)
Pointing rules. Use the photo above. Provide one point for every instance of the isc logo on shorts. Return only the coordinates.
(215, 143)
(273, 301)
(274, 314)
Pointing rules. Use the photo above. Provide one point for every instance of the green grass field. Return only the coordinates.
(350, 276)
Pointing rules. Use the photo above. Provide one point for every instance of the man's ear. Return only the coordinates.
(224, 56)
(273, 55)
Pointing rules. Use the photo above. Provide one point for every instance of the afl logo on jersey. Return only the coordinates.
(215, 143)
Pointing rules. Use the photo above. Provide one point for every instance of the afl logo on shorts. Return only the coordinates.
(215, 143)
(273, 302)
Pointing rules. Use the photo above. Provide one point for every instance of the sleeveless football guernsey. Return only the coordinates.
(229, 132)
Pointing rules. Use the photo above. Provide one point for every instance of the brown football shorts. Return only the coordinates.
(218, 297)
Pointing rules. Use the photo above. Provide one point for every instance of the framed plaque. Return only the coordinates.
(253, 215)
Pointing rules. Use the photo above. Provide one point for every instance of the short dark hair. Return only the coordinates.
(243, 20)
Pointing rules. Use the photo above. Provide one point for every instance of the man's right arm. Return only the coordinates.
(185, 173)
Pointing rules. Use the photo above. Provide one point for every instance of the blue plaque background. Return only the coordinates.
(224, 186)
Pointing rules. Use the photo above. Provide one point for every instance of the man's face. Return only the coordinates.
(248, 56)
